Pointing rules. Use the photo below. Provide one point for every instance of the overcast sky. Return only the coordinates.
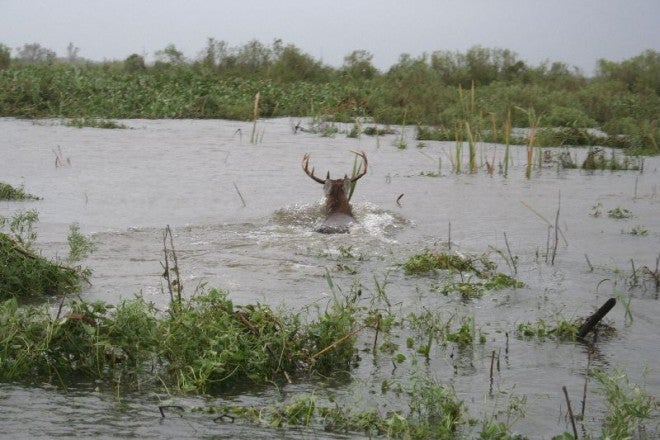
(577, 32)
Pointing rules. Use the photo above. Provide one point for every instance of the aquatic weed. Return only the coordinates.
(628, 405)
(26, 273)
(619, 213)
(94, 123)
(427, 261)
(8, 192)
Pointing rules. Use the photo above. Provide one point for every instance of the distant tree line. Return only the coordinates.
(622, 98)
(287, 63)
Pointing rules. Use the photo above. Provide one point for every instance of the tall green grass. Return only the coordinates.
(290, 83)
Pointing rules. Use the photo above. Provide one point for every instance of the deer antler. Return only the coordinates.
(363, 164)
(361, 171)
(305, 165)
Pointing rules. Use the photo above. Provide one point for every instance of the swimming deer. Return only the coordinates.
(337, 210)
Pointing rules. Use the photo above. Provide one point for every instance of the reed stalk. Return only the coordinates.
(531, 140)
(472, 145)
(494, 128)
(507, 140)
(459, 148)
(255, 116)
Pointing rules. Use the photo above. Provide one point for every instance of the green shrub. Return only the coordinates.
(8, 192)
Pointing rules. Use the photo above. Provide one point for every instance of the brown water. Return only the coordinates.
(243, 215)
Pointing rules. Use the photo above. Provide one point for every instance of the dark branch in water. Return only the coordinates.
(591, 322)
(239, 194)
(162, 409)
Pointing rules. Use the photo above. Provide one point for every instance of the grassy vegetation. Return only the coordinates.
(93, 122)
(628, 406)
(8, 192)
(449, 96)
(25, 273)
(205, 343)
(561, 330)
(465, 269)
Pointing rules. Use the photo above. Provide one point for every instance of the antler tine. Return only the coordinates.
(305, 165)
(363, 166)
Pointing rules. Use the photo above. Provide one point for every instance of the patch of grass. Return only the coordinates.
(434, 411)
(563, 330)
(566, 136)
(465, 334)
(80, 246)
(597, 160)
(206, 343)
(628, 406)
(619, 213)
(8, 192)
(427, 261)
(434, 134)
(24, 272)
(484, 269)
(378, 131)
(94, 123)
(637, 230)
(469, 290)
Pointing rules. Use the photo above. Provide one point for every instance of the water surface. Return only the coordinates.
(243, 216)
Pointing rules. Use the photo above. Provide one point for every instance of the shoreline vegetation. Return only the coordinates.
(477, 95)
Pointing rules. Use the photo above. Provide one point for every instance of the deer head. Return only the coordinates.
(337, 208)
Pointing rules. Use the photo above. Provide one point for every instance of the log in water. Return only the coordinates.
(591, 322)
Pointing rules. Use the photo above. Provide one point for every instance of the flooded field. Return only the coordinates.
(243, 218)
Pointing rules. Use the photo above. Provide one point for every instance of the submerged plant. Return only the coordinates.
(80, 246)
(427, 261)
(8, 192)
(619, 213)
(465, 334)
(469, 289)
(638, 230)
(563, 330)
(24, 272)
(94, 123)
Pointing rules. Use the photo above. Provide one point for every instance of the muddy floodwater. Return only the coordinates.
(243, 218)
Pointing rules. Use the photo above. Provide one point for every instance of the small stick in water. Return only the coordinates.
(570, 411)
(492, 362)
(239, 194)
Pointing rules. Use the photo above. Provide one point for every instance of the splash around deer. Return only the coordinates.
(337, 209)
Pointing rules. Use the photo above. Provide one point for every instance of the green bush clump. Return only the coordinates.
(209, 342)
(427, 261)
(205, 343)
(24, 273)
(93, 123)
(8, 192)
